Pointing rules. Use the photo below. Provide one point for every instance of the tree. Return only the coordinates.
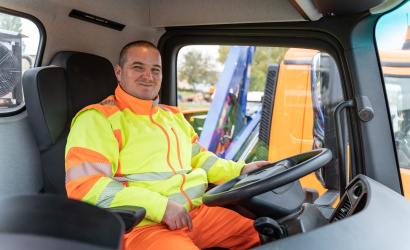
(9, 22)
(260, 63)
(197, 68)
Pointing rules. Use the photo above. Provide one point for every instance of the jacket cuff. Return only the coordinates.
(157, 213)
(238, 169)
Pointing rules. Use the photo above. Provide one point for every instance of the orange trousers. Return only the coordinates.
(213, 227)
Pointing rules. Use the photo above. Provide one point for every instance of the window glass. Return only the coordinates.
(19, 42)
(262, 103)
(393, 42)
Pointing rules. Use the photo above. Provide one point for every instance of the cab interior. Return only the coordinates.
(78, 45)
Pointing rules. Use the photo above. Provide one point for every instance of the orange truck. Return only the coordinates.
(297, 121)
(294, 115)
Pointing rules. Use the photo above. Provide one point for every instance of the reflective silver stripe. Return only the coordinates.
(108, 102)
(209, 163)
(120, 179)
(163, 108)
(155, 103)
(196, 192)
(192, 192)
(87, 169)
(108, 194)
(196, 148)
(178, 197)
(153, 176)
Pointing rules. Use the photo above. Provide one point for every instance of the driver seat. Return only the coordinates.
(53, 96)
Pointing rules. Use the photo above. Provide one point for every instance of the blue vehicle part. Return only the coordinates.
(237, 144)
(233, 84)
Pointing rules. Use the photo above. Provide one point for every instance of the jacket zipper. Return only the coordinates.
(169, 145)
(179, 158)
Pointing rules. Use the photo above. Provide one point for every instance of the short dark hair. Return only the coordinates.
(139, 43)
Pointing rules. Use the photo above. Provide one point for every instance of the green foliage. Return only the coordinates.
(197, 68)
(260, 63)
(9, 22)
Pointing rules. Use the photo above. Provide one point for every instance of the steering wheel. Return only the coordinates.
(267, 178)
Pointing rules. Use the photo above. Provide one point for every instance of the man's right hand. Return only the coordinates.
(176, 216)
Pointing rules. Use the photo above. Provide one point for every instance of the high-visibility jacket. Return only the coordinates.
(125, 151)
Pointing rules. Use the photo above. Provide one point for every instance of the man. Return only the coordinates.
(130, 151)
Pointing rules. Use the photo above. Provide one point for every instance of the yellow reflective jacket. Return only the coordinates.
(125, 151)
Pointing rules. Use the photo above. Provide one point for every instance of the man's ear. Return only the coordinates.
(117, 71)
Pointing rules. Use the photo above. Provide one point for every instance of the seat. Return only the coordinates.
(53, 95)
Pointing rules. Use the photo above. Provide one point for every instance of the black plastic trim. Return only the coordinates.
(396, 76)
(396, 64)
(297, 62)
(96, 20)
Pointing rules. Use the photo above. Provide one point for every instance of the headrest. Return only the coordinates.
(54, 94)
(90, 78)
(46, 103)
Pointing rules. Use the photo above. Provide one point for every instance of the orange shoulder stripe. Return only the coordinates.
(195, 139)
(79, 155)
(108, 107)
(78, 188)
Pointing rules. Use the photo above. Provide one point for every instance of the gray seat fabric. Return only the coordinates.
(53, 95)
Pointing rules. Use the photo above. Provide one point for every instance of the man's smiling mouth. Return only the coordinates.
(146, 84)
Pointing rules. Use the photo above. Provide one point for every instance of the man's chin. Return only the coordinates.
(146, 97)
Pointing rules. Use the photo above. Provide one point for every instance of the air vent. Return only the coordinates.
(344, 211)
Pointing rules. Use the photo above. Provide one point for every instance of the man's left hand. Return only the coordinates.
(253, 165)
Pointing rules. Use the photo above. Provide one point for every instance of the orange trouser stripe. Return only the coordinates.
(213, 227)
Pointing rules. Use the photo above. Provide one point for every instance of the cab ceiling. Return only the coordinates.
(143, 19)
(66, 33)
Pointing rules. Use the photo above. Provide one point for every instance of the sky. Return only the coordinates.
(209, 50)
(30, 29)
(391, 29)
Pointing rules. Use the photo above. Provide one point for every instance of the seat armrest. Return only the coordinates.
(131, 215)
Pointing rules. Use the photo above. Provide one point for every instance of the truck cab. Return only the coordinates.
(333, 116)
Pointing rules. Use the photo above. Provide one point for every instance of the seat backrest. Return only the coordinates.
(53, 95)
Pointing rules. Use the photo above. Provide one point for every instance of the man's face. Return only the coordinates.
(141, 74)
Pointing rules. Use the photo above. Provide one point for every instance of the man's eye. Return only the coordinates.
(156, 70)
(138, 67)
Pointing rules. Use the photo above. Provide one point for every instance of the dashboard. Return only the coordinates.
(369, 216)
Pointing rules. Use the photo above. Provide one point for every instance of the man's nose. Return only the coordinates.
(147, 74)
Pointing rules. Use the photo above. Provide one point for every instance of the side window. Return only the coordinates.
(262, 103)
(393, 42)
(19, 43)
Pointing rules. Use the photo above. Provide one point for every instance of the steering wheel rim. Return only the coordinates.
(303, 164)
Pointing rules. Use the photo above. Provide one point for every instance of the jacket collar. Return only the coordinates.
(137, 106)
